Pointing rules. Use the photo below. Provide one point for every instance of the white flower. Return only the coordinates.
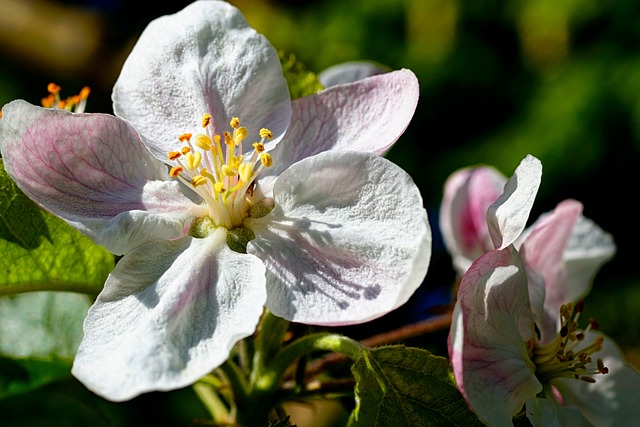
(213, 226)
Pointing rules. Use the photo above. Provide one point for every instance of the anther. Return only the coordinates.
(203, 141)
(266, 133)
(175, 171)
(198, 180)
(185, 150)
(235, 122)
(84, 92)
(53, 88)
(192, 160)
(173, 155)
(266, 160)
(258, 146)
(185, 137)
(206, 119)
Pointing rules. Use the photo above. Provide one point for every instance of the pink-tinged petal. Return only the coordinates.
(368, 115)
(612, 401)
(203, 59)
(347, 242)
(508, 216)
(349, 72)
(169, 314)
(588, 248)
(491, 323)
(468, 193)
(543, 255)
(93, 171)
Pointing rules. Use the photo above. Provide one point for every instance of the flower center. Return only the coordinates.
(568, 355)
(215, 168)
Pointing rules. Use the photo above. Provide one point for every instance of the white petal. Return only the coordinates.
(589, 247)
(348, 241)
(169, 314)
(508, 216)
(612, 401)
(368, 115)
(492, 320)
(93, 171)
(349, 72)
(203, 59)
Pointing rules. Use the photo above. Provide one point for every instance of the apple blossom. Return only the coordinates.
(223, 196)
(515, 344)
(505, 365)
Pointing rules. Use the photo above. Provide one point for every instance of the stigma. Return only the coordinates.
(569, 354)
(215, 167)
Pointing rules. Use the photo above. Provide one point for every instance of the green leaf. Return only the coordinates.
(42, 324)
(42, 252)
(300, 80)
(19, 376)
(399, 385)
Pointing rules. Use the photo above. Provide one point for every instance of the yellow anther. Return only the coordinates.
(53, 88)
(175, 171)
(239, 134)
(228, 139)
(235, 122)
(219, 187)
(228, 171)
(266, 160)
(206, 119)
(258, 146)
(174, 155)
(84, 92)
(198, 180)
(266, 133)
(185, 137)
(192, 160)
(203, 141)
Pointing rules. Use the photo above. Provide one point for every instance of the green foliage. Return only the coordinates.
(42, 252)
(399, 385)
(301, 81)
(42, 324)
(18, 376)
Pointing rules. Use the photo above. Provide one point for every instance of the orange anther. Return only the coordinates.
(174, 155)
(175, 171)
(185, 137)
(84, 92)
(53, 88)
(185, 150)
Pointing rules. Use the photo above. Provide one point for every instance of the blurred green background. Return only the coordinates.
(499, 80)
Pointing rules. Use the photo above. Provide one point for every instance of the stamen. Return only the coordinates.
(562, 357)
(227, 189)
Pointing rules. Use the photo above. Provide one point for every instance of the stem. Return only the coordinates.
(212, 402)
(236, 379)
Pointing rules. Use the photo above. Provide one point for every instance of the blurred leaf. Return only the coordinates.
(399, 385)
(42, 324)
(41, 251)
(22, 375)
(47, 408)
(301, 81)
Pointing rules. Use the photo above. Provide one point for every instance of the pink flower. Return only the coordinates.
(516, 343)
